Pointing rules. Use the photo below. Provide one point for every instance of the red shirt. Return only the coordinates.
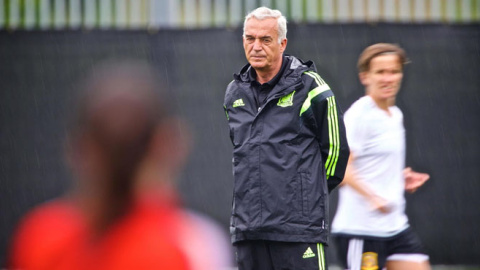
(55, 237)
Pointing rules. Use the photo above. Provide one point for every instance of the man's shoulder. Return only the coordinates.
(233, 90)
(232, 86)
(307, 70)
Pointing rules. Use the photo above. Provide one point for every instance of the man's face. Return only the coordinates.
(382, 81)
(260, 42)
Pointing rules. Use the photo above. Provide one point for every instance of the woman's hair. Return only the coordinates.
(262, 13)
(119, 109)
(379, 49)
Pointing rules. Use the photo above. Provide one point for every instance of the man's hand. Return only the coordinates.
(413, 180)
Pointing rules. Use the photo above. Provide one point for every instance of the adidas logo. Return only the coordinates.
(238, 103)
(308, 253)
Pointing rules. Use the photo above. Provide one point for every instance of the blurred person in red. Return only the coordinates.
(125, 147)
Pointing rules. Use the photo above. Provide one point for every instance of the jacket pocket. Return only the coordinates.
(233, 138)
(304, 193)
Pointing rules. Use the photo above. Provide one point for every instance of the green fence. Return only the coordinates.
(157, 14)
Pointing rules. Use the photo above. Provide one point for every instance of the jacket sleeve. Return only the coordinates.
(226, 101)
(329, 129)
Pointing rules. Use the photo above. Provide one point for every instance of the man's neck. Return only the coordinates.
(265, 77)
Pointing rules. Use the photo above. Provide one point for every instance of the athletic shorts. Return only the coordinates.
(362, 253)
(274, 255)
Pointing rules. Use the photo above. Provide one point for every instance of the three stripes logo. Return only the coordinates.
(238, 103)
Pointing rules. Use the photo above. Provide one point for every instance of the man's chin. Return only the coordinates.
(257, 65)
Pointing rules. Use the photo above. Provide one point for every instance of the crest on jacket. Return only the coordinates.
(286, 100)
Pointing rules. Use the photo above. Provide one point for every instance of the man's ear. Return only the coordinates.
(283, 44)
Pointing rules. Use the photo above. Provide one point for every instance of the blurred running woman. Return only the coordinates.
(370, 225)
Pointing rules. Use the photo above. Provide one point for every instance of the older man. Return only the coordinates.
(290, 150)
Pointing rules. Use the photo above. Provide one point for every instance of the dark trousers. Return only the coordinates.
(274, 255)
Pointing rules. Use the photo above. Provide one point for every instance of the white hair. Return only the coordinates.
(262, 13)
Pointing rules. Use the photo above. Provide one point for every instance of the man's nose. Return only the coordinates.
(257, 45)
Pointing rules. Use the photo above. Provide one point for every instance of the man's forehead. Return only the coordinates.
(268, 24)
(266, 27)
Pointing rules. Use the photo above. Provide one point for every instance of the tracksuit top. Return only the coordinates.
(288, 153)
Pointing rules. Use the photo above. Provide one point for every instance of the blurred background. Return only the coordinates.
(47, 45)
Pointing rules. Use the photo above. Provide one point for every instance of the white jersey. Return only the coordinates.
(377, 143)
